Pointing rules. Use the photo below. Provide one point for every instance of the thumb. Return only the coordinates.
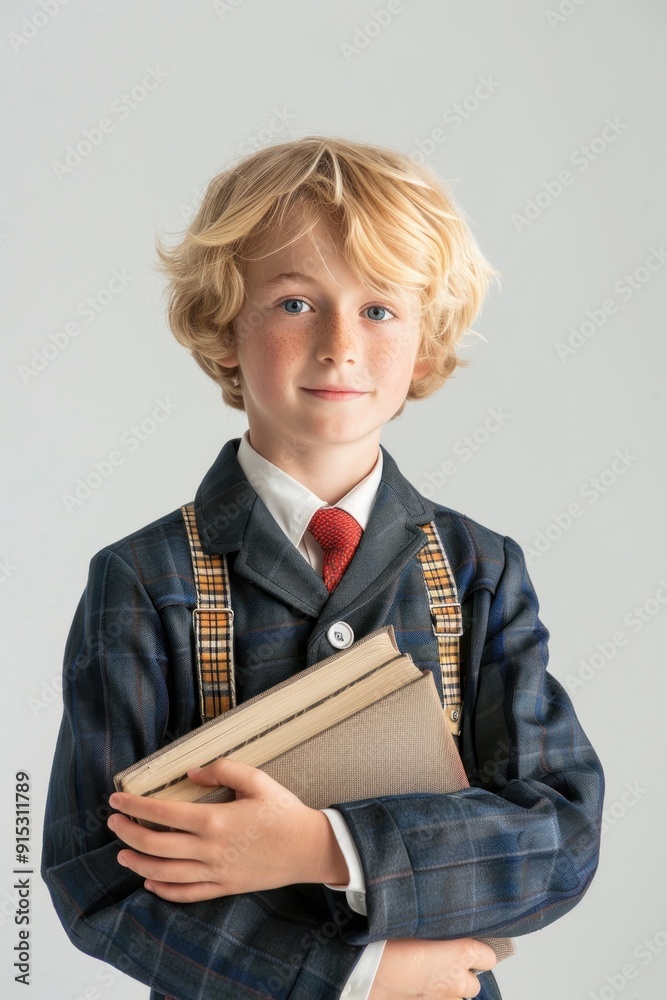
(224, 771)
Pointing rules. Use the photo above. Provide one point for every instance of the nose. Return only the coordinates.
(337, 340)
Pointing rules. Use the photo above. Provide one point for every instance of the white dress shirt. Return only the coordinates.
(293, 505)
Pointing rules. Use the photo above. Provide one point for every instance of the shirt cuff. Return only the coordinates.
(355, 890)
(361, 978)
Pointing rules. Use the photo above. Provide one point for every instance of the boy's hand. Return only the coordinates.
(437, 970)
(266, 838)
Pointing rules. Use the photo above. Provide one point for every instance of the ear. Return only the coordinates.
(420, 369)
(228, 360)
(231, 359)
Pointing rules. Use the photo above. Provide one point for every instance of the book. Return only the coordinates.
(362, 723)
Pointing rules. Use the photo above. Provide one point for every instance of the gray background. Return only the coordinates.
(556, 79)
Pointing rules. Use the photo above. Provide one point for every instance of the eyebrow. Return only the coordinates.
(290, 276)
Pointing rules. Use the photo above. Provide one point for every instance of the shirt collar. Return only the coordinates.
(291, 503)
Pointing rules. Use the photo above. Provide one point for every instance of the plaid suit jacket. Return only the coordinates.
(506, 856)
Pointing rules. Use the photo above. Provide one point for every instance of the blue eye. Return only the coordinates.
(290, 302)
(382, 308)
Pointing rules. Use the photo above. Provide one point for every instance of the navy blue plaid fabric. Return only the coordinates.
(505, 857)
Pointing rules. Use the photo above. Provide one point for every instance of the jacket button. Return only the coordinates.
(340, 635)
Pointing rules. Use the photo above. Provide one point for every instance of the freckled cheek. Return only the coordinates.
(272, 363)
(284, 352)
(394, 365)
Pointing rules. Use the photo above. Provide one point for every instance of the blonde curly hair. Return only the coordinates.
(399, 228)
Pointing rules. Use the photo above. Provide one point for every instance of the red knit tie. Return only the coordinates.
(338, 533)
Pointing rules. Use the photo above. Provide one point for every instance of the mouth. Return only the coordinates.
(338, 393)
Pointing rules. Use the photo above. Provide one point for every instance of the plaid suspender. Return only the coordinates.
(213, 626)
(447, 621)
(213, 623)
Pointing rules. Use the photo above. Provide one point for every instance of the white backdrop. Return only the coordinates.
(547, 117)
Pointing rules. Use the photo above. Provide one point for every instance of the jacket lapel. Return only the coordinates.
(231, 517)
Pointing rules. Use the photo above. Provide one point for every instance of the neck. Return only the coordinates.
(330, 472)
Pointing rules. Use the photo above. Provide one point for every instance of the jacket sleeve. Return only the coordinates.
(119, 690)
(519, 848)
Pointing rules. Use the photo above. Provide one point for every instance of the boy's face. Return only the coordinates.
(322, 361)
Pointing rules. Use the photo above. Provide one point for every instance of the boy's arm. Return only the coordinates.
(517, 851)
(118, 686)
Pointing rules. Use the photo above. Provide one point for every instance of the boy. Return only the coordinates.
(322, 283)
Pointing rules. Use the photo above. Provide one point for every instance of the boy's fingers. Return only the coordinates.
(185, 893)
(163, 869)
(158, 843)
(483, 957)
(223, 770)
(178, 815)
